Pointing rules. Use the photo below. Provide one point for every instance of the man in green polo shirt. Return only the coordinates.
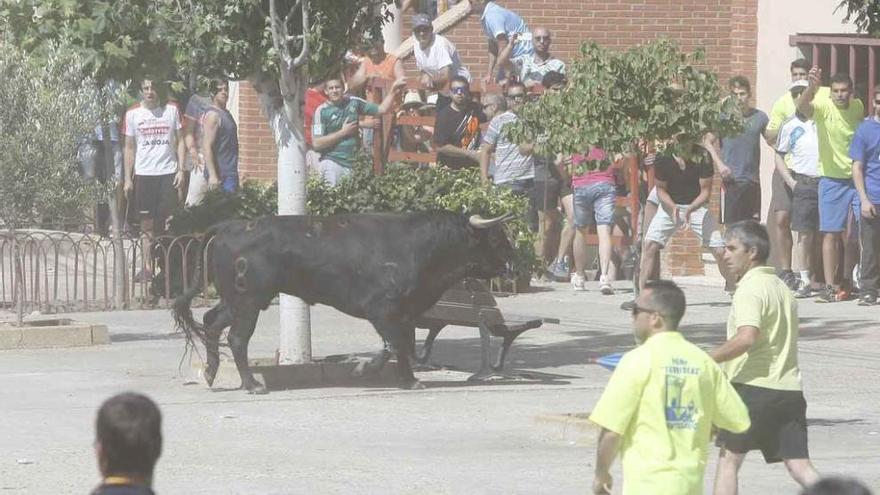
(760, 359)
(836, 117)
(661, 403)
(335, 127)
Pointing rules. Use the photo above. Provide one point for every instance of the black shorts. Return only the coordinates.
(783, 196)
(805, 204)
(545, 195)
(740, 200)
(779, 424)
(155, 196)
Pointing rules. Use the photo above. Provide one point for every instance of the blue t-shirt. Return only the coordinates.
(742, 153)
(498, 20)
(865, 147)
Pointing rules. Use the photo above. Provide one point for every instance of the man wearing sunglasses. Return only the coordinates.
(514, 164)
(865, 153)
(661, 403)
(540, 63)
(457, 127)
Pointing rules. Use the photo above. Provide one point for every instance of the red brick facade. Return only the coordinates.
(725, 29)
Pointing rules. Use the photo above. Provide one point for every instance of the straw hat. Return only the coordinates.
(412, 99)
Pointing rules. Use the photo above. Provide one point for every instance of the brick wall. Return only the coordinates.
(257, 155)
(725, 29)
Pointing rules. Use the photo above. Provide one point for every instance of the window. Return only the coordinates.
(856, 55)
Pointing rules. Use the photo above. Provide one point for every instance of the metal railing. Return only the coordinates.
(65, 272)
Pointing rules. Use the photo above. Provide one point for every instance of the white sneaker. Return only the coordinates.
(578, 282)
(605, 286)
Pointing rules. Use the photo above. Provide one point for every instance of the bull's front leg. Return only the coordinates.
(243, 323)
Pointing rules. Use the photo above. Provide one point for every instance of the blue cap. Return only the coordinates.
(420, 20)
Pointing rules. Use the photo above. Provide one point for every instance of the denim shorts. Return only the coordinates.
(594, 200)
(837, 197)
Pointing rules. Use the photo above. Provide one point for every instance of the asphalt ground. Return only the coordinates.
(454, 437)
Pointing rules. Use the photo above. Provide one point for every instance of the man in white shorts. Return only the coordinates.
(684, 184)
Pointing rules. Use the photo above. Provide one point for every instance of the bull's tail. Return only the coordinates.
(182, 312)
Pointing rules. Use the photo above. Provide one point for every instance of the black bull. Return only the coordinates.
(385, 268)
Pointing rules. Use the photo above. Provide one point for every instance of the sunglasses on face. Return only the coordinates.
(518, 97)
(541, 38)
(638, 309)
(459, 90)
(422, 30)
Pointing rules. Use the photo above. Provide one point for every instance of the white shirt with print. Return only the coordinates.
(442, 53)
(800, 141)
(155, 134)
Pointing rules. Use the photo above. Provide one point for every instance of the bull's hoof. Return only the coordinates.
(210, 374)
(360, 370)
(412, 385)
(256, 388)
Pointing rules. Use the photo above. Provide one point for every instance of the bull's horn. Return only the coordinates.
(479, 222)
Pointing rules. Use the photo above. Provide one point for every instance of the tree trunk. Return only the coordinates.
(17, 279)
(119, 269)
(287, 125)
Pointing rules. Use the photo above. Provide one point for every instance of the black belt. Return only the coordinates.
(804, 178)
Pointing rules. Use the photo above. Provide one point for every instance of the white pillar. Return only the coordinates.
(391, 30)
(295, 340)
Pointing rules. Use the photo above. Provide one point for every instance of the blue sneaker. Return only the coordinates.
(560, 270)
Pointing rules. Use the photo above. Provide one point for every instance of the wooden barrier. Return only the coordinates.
(383, 151)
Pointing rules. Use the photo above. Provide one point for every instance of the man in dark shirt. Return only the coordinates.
(128, 444)
(684, 183)
(739, 160)
(457, 134)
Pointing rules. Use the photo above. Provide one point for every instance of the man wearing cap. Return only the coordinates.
(797, 166)
(782, 196)
(436, 57)
(508, 37)
(457, 127)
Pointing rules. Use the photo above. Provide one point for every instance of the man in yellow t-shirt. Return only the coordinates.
(659, 407)
(782, 199)
(760, 358)
(837, 117)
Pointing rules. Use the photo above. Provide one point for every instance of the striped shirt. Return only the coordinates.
(510, 165)
(534, 69)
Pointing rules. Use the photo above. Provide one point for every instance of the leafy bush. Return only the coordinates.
(401, 189)
(615, 99)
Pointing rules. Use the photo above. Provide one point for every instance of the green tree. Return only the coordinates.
(615, 99)
(865, 14)
(46, 109)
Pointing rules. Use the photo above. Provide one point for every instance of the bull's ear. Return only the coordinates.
(478, 222)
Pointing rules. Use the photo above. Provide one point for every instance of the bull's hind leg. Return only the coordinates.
(215, 320)
(244, 320)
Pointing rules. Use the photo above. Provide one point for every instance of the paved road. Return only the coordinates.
(452, 438)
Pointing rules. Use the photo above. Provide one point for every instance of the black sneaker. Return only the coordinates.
(803, 291)
(628, 305)
(791, 280)
(827, 295)
(868, 299)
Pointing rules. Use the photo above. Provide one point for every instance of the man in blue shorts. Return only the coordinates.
(837, 116)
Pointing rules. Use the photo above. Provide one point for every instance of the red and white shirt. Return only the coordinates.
(155, 133)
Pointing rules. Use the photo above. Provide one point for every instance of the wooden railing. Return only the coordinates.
(383, 151)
